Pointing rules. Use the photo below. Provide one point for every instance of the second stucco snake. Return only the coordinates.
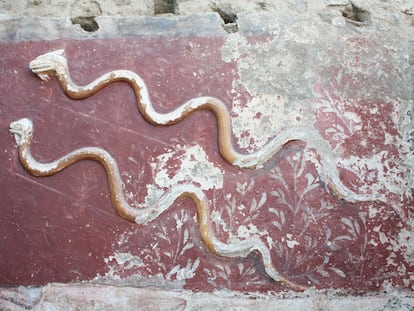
(23, 132)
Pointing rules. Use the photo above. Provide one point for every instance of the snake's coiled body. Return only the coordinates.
(55, 63)
(23, 131)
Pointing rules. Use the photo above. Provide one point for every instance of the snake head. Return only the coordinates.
(49, 64)
(22, 130)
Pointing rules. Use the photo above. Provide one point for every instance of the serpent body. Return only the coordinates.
(23, 132)
(55, 63)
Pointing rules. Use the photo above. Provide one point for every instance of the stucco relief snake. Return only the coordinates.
(55, 63)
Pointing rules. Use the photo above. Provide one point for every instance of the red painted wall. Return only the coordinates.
(64, 228)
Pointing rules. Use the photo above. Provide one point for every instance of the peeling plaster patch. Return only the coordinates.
(352, 116)
(373, 243)
(216, 218)
(382, 236)
(382, 174)
(374, 211)
(275, 67)
(188, 272)
(154, 193)
(407, 130)
(406, 241)
(180, 165)
(230, 50)
(291, 243)
(385, 172)
(262, 68)
(257, 121)
(250, 230)
(262, 117)
(403, 244)
(194, 164)
(391, 260)
(126, 260)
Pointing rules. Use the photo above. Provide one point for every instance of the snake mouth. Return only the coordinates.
(46, 65)
(17, 131)
(15, 127)
(41, 69)
(20, 129)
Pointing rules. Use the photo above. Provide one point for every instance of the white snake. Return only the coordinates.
(23, 133)
(55, 63)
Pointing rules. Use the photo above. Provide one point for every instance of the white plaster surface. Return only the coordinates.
(190, 164)
(67, 297)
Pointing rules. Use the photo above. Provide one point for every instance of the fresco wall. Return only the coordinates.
(326, 110)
